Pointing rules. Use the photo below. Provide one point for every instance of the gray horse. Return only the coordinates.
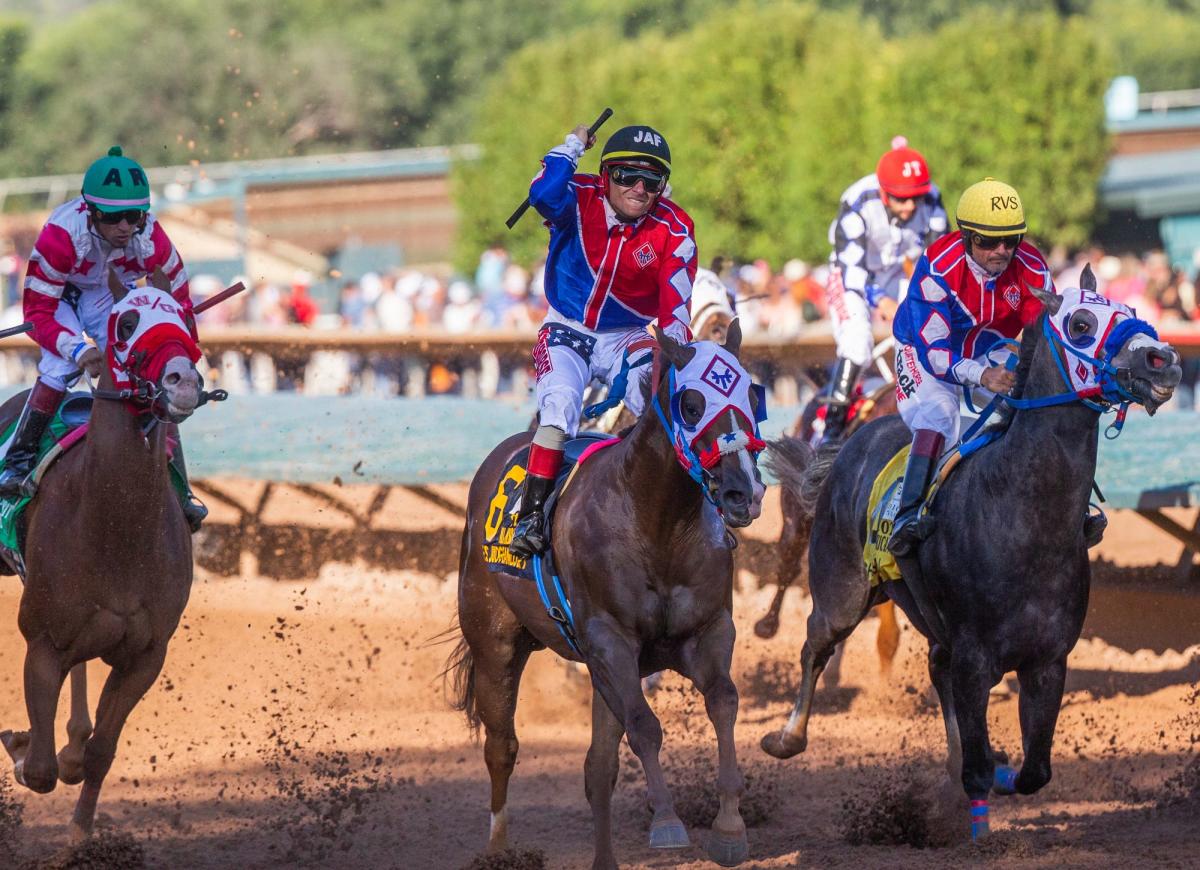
(1001, 584)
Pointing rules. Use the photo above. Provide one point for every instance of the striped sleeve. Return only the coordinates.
(52, 260)
(923, 321)
(552, 192)
(676, 276)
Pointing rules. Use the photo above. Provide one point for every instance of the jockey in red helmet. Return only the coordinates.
(885, 222)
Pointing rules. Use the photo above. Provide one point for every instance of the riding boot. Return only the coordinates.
(545, 459)
(837, 405)
(1093, 528)
(909, 528)
(23, 449)
(194, 510)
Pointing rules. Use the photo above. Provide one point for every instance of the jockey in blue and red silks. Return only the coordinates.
(622, 255)
(967, 298)
(67, 298)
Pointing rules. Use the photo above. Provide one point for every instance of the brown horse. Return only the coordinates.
(108, 560)
(648, 567)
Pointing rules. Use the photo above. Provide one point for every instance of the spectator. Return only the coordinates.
(300, 307)
(265, 307)
(352, 306)
(393, 310)
(489, 278)
(462, 312)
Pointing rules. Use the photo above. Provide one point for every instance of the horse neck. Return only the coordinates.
(663, 490)
(1051, 452)
(124, 469)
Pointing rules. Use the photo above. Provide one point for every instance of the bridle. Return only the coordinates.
(147, 396)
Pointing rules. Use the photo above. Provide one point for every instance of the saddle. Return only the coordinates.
(883, 503)
(502, 520)
(66, 429)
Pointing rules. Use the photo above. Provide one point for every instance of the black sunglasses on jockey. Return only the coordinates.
(132, 216)
(990, 243)
(627, 176)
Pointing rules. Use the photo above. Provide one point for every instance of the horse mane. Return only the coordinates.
(1029, 342)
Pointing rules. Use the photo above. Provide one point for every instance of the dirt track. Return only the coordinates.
(301, 723)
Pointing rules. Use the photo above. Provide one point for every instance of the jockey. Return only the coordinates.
(621, 256)
(886, 220)
(67, 298)
(970, 293)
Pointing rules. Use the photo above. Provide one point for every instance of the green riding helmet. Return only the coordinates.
(116, 183)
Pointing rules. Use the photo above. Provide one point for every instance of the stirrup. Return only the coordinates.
(195, 512)
(908, 534)
(19, 484)
(529, 535)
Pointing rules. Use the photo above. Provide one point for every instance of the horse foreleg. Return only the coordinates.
(79, 729)
(1040, 701)
(972, 678)
(34, 764)
(613, 663)
(600, 777)
(122, 691)
(821, 642)
(707, 659)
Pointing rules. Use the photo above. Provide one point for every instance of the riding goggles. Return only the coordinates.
(628, 176)
(132, 216)
(990, 243)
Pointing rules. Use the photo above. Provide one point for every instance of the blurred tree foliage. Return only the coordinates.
(773, 111)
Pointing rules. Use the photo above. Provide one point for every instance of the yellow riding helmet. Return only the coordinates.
(991, 208)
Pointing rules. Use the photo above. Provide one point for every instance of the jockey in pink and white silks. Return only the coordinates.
(885, 221)
(969, 296)
(622, 256)
(67, 299)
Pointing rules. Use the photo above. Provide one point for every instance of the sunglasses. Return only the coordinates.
(628, 176)
(990, 243)
(132, 216)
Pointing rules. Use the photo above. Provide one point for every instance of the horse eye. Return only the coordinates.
(1082, 323)
(693, 407)
(127, 325)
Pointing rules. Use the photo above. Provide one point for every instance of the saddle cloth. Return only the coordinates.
(506, 503)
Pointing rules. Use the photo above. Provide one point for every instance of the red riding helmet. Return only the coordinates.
(903, 172)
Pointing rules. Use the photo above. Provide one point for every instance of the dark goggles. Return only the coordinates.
(132, 216)
(990, 243)
(628, 176)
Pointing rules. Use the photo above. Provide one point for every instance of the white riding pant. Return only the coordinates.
(926, 402)
(568, 356)
(88, 316)
(851, 316)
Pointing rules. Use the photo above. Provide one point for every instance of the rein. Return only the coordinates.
(146, 394)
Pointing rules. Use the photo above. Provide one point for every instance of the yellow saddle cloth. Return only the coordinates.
(884, 504)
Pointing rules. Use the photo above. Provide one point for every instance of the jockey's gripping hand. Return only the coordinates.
(998, 379)
(92, 362)
(581, 133)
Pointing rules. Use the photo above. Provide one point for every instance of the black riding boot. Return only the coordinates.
(909, 529)
(1093, 528)
(529, 536)
(837, 405)
(194, 510)
(23, 450)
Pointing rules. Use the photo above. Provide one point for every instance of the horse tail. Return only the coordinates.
(459, 682)
(801, 469)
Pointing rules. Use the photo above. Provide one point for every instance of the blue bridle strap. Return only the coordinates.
(693, 467)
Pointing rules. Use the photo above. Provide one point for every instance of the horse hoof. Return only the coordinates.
(69, 772)
(78, 834)
(728, 850)
(767, 627)
(778, 744)
(16, 743)
(1005, 780)
(669, 834)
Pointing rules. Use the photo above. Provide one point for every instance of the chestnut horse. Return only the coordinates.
(647, 563)
(108, 555)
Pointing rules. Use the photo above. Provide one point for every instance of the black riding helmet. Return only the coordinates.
(638, 145)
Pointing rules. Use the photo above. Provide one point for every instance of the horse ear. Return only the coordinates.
(1087, 280)
(115, 287)
(1046, 295)
(159, 280)
(677, 355)
(733, 337)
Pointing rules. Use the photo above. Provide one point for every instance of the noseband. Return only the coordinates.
(146, 395)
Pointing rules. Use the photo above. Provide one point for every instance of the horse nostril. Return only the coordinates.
(736, 498)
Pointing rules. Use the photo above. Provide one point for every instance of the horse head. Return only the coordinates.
(713, 412)
(1107, 350)
(151, 350)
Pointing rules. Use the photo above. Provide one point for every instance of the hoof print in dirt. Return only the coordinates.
(897, 813)
(106, 850)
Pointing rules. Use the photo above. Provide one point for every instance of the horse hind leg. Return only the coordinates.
(34, 764)
(793, 540)
(79, 729)
(123, 689)
(600, 778)
(822, 640)
(498, 670)
(887, 640)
